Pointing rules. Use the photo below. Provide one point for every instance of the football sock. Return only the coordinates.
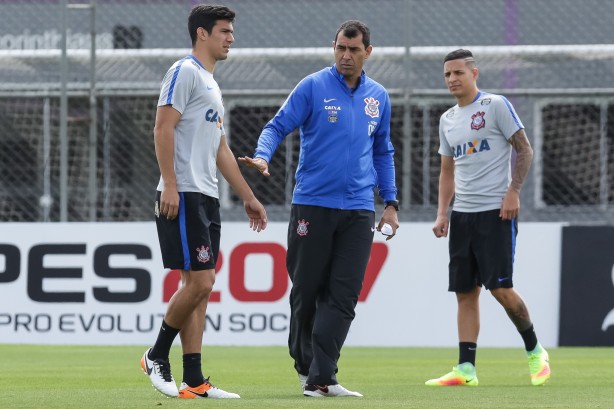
(192, 370)
(163, 344)
(529, 338)
(466, 352)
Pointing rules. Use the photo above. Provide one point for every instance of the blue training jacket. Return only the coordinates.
(345, 141)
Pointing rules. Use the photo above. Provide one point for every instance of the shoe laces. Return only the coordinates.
(209, 383)
(164, 367)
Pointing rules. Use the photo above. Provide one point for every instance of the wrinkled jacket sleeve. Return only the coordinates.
(292, 114)
(383, 156)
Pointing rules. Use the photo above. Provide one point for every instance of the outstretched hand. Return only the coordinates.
(257, 163)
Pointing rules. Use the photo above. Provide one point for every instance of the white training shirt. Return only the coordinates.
(477, 135)
(190, 89)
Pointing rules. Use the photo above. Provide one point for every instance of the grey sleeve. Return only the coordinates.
(177, 87)
(507, 119)
(444, 146)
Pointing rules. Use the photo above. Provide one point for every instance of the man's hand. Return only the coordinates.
(257, 163)
(510, 206)
(169, 202)
(256, 214)
(390, 217)
(442, 224)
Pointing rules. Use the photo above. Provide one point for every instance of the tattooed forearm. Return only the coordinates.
(524, 157)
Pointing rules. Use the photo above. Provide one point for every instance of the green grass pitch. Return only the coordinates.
(88, 377)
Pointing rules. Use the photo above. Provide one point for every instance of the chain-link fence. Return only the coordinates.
(76, 138)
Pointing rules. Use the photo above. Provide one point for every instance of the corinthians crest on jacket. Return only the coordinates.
(372, 107)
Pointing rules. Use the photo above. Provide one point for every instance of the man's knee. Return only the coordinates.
(504, 296)
(200, 283)
(468, 297)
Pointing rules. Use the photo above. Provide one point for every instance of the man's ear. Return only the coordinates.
(475, 73)
(369, 49)
(202, 33)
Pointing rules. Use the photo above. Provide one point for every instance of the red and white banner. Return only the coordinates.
(103, 283)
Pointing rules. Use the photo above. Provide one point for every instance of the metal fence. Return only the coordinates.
(76, 146)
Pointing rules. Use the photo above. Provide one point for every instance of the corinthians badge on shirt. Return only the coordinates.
(477, 121)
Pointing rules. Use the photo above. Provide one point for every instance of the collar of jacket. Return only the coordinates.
(341, 78)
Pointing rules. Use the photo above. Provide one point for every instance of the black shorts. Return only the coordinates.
(482, 247)
(191, 241)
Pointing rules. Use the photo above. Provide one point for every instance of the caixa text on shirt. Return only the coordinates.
(471, 147)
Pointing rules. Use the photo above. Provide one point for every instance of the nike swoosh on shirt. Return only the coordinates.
(209, 88)
(329, 100)
(503, 279)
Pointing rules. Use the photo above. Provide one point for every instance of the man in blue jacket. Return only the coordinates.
(344, 122)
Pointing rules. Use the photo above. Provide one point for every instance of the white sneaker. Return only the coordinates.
(303, 380)
(159, 372)
(206, 390)
(330, 391)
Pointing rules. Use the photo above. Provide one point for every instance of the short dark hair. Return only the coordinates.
(351, 29)
(206, 16)
(460, 54)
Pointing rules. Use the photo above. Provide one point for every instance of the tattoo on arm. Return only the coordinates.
(524, 157)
